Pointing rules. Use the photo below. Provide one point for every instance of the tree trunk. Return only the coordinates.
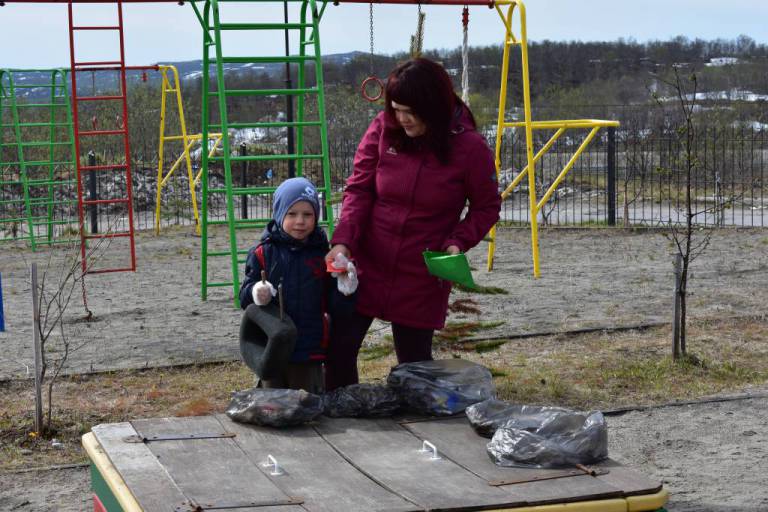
(676, 319)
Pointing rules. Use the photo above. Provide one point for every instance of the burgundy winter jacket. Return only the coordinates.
(397, 205)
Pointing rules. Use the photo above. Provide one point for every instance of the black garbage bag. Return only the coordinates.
(274, 407)
(487, 416)
(266, 340)
(442, 387)
(560, 439)
(361, 401)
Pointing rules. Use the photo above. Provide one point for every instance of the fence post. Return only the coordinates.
(2, 316)
(243, 169)
(92, 193)
(289, 97)
(611, 185)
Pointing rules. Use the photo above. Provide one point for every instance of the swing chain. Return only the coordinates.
(370, 23)
(420, 32)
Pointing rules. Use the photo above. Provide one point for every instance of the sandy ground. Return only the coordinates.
(590, 279)
(712, 457)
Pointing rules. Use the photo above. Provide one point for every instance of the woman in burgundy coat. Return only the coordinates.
(417, 167)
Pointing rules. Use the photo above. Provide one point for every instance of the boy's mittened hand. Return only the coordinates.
(263, 291)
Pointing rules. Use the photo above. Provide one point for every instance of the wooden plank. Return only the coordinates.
(628, 480)
(458, 441)
(314, 470)
(389, 454)
(212, 472)
(146, 478)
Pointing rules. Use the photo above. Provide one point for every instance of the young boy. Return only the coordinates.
(292, 254)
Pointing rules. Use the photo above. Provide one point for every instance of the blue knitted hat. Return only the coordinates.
(290, 192)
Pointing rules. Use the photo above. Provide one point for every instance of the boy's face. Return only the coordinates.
(299, 222)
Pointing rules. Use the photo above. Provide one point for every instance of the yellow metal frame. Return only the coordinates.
(187, 140)
(594, 125)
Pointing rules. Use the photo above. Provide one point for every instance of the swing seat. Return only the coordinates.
(272, 338)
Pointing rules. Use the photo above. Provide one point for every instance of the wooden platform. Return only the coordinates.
(212, 463)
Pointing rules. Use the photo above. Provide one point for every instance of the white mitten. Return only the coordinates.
(347, 281)
(262, 292)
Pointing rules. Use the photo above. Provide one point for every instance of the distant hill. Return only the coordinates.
(188, 70)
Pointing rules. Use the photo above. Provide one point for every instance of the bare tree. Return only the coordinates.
(688, 242)
(61, 278)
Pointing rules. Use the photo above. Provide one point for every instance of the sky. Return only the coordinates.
(36, 36)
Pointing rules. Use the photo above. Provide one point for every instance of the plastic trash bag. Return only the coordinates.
(441, 387)
(274, 407)
(560, 438)
(361, 400)
(487, 416)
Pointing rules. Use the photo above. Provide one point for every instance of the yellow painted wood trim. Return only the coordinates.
(644, 503)
(614, 505)
(647, 501)
(115, 482)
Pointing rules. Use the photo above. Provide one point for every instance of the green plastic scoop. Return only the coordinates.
(451, 267)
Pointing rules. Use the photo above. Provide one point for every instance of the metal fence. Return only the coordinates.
(625, 177)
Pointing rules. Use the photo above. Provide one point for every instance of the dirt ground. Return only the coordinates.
(708, 455)
(590, 279)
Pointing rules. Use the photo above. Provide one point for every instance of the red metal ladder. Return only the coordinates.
(114, 168)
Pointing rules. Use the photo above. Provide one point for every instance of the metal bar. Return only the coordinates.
(93, 133)
(105, 201)
(97, 64)
(98, 98)
(567, 168)
(205, 121)
(257, 158)
(611, 182)
(92, 193)
(243, 170)
(96, 28)
(264, 92)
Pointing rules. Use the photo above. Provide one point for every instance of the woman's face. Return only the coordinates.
(411, 123)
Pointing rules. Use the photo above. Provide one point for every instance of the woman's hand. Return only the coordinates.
(452, 250)
(338, 249)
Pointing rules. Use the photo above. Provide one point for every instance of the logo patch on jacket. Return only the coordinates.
(318, 267)
(391, 151)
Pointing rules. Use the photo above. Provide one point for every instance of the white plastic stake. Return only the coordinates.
(426, 447)
(276, 469)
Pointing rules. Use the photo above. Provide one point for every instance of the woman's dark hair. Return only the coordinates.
(425, 87)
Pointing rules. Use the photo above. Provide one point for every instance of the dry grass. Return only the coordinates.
(594, 371)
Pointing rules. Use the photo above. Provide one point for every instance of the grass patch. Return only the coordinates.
(483, 290)
(495, 372)
(487, 346)
(588, 371)
(376, 352)
(456, 331)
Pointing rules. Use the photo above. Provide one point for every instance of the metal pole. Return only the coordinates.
(288, 97)
(243, 169)
(38, 354)
(611, 185)
(2, 316)
(92, 193)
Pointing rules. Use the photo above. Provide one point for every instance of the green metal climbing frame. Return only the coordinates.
(217, 243)
(38, 190)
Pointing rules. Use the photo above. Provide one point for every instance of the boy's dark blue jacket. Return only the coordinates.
(308, 290)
